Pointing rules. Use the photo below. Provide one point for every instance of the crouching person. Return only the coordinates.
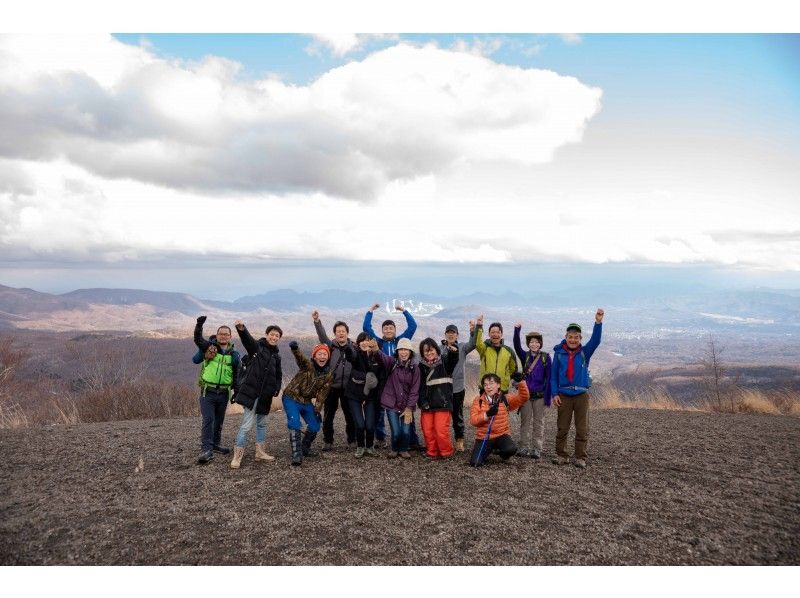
(569, 384)
(304, 397)
(260, 385)
(218, 380)
(489, 415)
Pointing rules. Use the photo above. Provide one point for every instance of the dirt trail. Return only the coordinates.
(661, 488)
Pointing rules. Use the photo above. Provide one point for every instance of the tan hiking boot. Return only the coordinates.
(238, 453)
(261, 453)
(460, 445)
(558, 460)
(580, 463)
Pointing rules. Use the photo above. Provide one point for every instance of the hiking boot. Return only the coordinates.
(405, 454)
(580, 463)
(371, 452)
(460, 445)
(221, 450)
(297, 447)
(379, 444)
(560, 460)
(261, 453)
(328, 446)
(535, 454)
(350, 445)
(392, 455)
(308, 438)
(523, 452)
(238, 453)
(205, 457)
(359, 452)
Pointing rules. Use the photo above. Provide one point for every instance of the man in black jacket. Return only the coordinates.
(261, 383)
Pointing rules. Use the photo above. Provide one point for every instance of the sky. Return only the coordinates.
(150, 158)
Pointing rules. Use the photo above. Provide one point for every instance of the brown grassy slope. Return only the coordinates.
(662, 488)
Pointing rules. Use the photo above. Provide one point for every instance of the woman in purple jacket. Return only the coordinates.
(400, 395)
(536, 368)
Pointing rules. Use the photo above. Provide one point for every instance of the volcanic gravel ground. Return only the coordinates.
(661, 488)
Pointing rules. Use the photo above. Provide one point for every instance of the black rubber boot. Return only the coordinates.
(297, 449)
(308, 438)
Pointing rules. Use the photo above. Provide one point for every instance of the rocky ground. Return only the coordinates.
(661, 488)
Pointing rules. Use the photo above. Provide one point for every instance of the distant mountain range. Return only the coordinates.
(761, 308)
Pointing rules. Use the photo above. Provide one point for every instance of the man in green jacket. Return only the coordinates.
(496, 357)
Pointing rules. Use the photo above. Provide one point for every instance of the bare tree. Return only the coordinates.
(714, 375)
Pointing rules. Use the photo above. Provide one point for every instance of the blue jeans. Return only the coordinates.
(294, 410)
(401, 431)
(212, 409)
(251, 416)
(364, 419)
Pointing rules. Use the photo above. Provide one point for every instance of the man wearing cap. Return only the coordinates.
(451, 340)
(304, 397)
(387, 343)
(569, 385)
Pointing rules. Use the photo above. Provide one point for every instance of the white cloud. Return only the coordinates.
(341, 44)
(571, 39)
(479, 46)
(400, 113)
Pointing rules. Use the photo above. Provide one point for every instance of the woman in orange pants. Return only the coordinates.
(436, 397)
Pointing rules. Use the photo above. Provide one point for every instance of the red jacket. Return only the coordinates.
(480, 405)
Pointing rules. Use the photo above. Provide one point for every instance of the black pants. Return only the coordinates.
(502, 445)
(334, 399)
(364, 419)
(458, 414)
(212, 408)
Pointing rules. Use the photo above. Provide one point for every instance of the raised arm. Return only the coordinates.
(597, 332)
(303, 363)
(367, 326)
(248, 342)
(321, 334)
(518, 343)
(412, 325)
(470, 344)
(479, 344)
(201, 343)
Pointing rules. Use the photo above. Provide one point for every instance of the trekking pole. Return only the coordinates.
(485, 438)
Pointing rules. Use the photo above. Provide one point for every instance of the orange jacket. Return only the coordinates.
(500, 425)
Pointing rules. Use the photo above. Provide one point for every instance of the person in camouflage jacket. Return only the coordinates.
(304, 397)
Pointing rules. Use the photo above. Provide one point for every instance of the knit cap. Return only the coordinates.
(318, 348)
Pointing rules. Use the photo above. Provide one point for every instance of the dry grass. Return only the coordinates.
(745, 400)
(609, 396)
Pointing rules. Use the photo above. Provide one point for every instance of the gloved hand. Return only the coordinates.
(493, 410)
(517, 377)
(294, 346)
(371, 381)
(210, 353)
(407, 416)
(202, 320)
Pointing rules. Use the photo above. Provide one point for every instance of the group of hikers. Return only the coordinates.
(386, 377)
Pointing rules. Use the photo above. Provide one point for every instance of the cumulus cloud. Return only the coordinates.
(341, 44)
(400, 113)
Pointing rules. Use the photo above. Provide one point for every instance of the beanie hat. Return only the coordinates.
(451, 328)
(574, 328)
(388, 323)
(404, 343)
(320, 347)
(536, 335)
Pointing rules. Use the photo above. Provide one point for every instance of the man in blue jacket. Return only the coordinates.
(569, 386)
(388, 345)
